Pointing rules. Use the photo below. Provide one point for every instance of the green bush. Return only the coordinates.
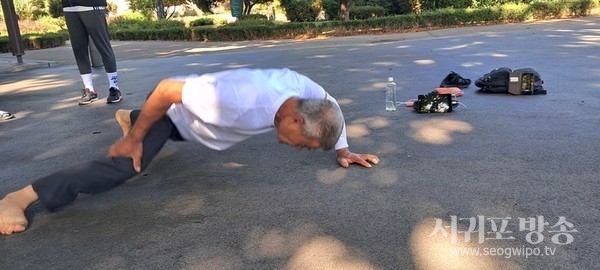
(161, 24)
(583, 7)
(255, 17)
(112, 8)
(248, 23)
(332, 9)
(121, 23)
(559, 9)
(58, 22)
(144, 29)
(42, 41)
(124, 23)
(300, 10)
(365, 12)
(151, 34)
(202, 21)
(36, 41)
(544, 10)
(24, 10)
(55, 8)
(133, 15)
(514, 13)
(256, 30)
(458, 4)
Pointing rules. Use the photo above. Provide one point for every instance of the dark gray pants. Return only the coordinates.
(62, 187)
(85, 25)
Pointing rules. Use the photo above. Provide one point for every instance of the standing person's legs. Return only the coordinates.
(62, 187)
(97, 28)
(79, 38)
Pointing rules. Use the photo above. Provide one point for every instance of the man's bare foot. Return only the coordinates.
(124, 120)
(12, 217)
(12, 210)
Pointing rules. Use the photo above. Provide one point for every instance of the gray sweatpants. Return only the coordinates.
(90, 24)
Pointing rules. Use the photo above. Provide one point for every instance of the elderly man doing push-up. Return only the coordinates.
(217, 110)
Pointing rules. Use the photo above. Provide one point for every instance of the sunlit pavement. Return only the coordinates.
(503, 182)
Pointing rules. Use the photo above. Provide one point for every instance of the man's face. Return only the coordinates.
(289, 132)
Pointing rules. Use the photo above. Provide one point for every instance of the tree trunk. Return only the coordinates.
(345, 10)
(160, 9)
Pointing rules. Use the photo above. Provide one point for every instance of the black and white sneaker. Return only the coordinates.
(114, 95)
(87, 97)
(6, 115)
(455, 80)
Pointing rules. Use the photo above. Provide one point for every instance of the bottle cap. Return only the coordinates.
(390, 79)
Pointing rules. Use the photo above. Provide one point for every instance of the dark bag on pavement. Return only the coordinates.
(524, 81)
(496, 81)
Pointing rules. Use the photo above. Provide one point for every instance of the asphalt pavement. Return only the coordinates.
(503, 182)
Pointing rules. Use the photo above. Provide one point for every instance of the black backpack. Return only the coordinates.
(497, 80)
(534, 79)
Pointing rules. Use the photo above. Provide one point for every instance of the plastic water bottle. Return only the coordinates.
(390, 95)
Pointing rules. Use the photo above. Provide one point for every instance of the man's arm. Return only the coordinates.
(167, 92)
(345, 157)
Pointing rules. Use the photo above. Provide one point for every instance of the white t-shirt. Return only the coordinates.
(224, 108)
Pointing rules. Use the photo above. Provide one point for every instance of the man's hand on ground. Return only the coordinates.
(345, 158)
(129, 148)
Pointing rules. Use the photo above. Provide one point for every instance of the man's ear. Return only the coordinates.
(298, 119)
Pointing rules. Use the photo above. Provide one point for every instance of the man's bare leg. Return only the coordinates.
(124, 120)
(12, 210)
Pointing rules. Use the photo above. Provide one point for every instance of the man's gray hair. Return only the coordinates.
(323, 120)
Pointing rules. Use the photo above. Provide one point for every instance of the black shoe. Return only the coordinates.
(6, 116)
(87, 97)
(114, 95)
(455, 80)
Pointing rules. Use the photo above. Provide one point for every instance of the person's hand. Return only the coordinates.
(345, 158)
(127, 147)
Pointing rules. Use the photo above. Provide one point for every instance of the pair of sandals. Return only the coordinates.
(6, 116)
